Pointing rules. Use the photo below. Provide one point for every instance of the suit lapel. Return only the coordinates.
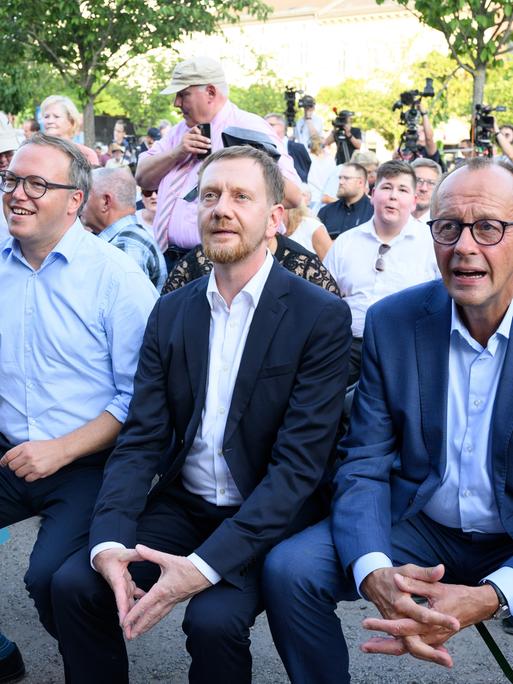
(196, 340)
(432, 349)
(265, 321)
(502, 426)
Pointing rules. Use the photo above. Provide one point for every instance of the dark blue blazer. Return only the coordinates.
(395, 453)
(281, 425)
(301, 159)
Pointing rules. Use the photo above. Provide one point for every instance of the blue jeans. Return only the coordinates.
(303, 582)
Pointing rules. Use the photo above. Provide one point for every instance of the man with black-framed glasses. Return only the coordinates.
(74, 311)
(423, 503)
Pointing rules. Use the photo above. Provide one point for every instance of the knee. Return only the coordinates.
(72, 584)
(206, 626)
(288, 571)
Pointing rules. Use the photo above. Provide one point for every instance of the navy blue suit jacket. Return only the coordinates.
(281, 426)
(394, 455)
(301, 159)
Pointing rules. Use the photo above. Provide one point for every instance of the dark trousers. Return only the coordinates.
(217, 621)
(65, 502)
(303, 581)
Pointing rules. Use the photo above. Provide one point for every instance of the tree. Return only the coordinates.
(478, 32)
(89, 41)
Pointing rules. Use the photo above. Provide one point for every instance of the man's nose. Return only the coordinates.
(466, 243)
(223, 205)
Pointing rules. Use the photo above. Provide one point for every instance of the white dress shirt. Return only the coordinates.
(352, 262)
(465, 498)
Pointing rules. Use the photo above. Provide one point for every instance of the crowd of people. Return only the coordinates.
(278, 383)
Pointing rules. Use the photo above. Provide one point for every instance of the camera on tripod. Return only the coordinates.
(411, 118)
(483, 125)
(340, 122)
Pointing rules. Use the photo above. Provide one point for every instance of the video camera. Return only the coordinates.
(290, 105)
(411, 119)
(340, 122)
(483, 125)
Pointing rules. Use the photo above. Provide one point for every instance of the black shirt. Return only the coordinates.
(345, 147)
(339, 217)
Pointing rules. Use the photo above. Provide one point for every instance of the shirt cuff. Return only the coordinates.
(205, 569)
(103, 547)
(503, 578)
(366, 564)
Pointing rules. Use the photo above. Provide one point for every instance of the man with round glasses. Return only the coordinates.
(423, 503)
(73, 315)
(427, 173)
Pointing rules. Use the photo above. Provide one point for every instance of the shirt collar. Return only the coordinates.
(124, 222)
(503, 330)
(253, 288)
(66, 247)
(410, 230)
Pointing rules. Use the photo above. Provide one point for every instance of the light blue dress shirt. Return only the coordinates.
(465, 498)
(70, 334)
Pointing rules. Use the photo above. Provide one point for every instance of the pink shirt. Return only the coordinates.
(183, 223)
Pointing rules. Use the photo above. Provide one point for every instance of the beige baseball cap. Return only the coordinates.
(8, 140)
(195, 71)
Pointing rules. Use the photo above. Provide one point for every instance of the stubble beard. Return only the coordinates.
(228, 253)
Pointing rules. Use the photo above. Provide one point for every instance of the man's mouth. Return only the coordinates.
(467, 273)
(21, 212)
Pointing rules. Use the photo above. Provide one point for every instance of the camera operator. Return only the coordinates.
(426, 144)
(347, 137)
(504, 138)
(309, 124)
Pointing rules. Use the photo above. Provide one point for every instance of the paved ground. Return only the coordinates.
(160, 656)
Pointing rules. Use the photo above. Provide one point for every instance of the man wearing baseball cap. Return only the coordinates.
(8, 146)
(201, 93)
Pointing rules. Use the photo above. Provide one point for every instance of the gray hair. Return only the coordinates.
(472, 164)
(79, 167)
(423, 162)
(274, 183)
(118, 182)
(274, 115)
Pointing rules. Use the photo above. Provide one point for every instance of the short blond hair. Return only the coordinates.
(69, 107)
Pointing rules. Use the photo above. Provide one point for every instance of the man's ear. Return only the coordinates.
(75, 201)
(276, 215)
(211, 91)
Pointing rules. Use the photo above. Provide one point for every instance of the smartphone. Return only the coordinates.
(204, 130)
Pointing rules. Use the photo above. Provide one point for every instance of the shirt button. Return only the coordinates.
(221, 491)
(219, 452)
(28, 348)
(29, 312)
(467, 492)
(221, 410)
(477, 402)
(29, 385)
(232, 325)
(469, 448)
(225, 369)
(32, 421)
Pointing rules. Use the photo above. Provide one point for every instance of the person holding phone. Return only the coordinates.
(200, 92)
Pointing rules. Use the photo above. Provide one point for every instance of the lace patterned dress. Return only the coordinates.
(289, 254)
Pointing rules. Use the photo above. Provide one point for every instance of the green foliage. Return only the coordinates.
(478, 33)
(89, 41)
(260, 98)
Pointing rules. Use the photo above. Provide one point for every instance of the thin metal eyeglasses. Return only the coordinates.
(484, 231)
(380, 262)
(426, 181)
(33, 186)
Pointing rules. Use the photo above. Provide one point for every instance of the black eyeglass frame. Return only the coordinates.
(8, 176)
(471, 226)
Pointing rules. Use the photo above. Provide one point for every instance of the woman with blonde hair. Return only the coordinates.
(305, 228)
(61, 118)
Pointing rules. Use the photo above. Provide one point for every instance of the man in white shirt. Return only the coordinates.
(386, 254)
(427, 173)
(239, 391)
(423, 502)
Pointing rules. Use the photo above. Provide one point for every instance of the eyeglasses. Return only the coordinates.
(484, 231)
(380, 262)
(346, 178)
(149, 193)
(34, 186)
(426, 181)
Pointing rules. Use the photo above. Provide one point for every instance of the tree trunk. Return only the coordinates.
(478, 85)
(89, 133)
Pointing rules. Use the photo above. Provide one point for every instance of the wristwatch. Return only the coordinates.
(503, 610)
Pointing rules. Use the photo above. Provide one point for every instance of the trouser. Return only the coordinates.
(217, 621)
(303, 581)
(65, 502)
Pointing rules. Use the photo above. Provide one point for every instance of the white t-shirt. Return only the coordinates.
(304, 232)
(352, 259)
